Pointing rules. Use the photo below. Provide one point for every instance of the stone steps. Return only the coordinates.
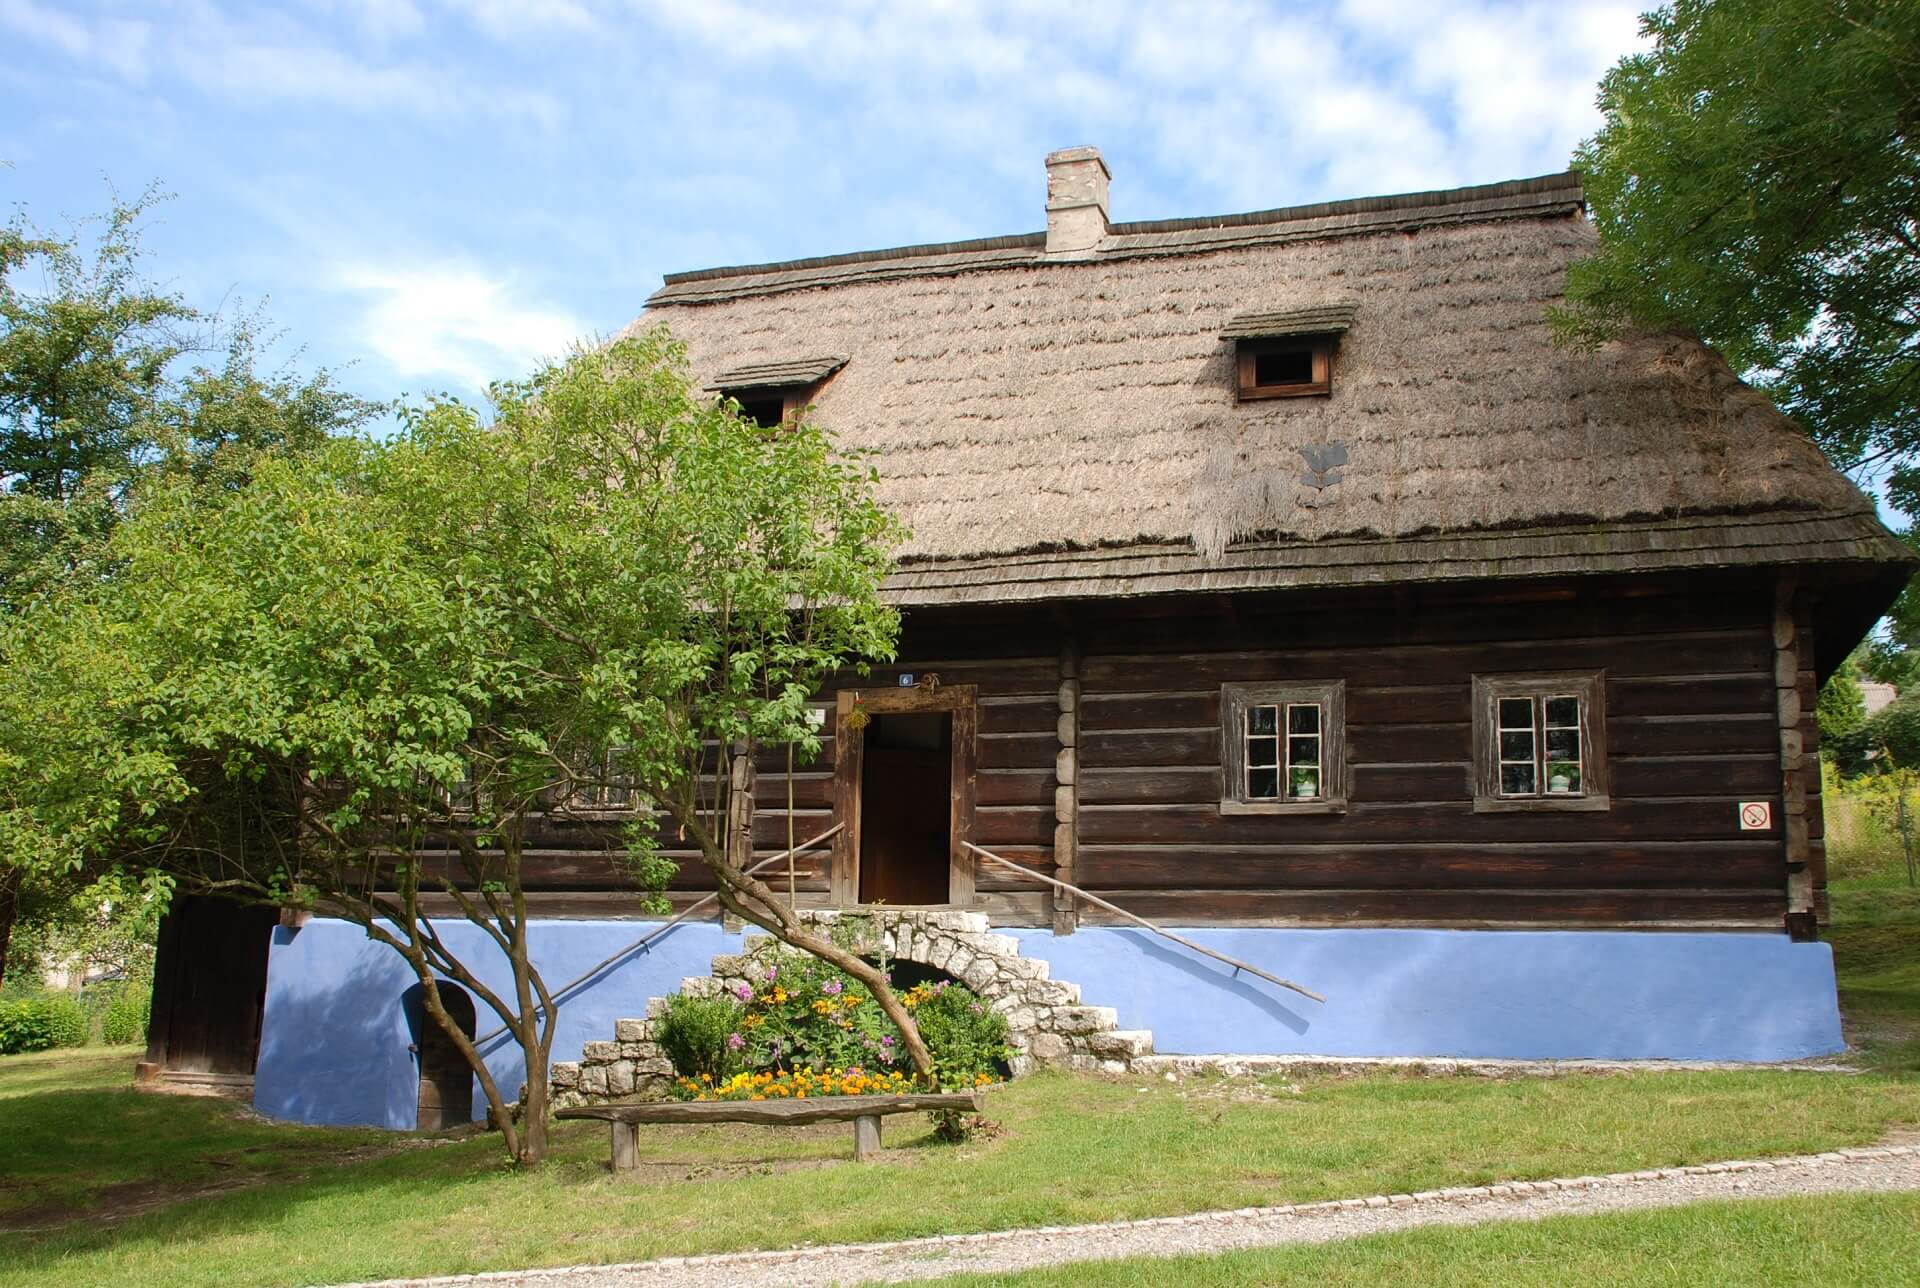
(1047, 1022)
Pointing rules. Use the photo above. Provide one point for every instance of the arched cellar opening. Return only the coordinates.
(905, 974)
(446, 1080)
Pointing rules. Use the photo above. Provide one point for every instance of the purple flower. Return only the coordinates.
(886, 1040)
(941, 987)
(773, 973)
(743, 992)
(735, 1041)
(831, 988)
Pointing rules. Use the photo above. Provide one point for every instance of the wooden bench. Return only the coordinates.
(864, 1111)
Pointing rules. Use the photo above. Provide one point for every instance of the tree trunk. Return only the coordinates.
(755, 901)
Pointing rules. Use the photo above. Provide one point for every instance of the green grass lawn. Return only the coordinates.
(1829, 1239)
(1074, 1149)
(99, 1183)
(1876, 950)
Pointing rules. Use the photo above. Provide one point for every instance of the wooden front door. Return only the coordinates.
(904, 786)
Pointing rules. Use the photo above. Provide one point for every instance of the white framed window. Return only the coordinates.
(1539, 742)
(1282, 748)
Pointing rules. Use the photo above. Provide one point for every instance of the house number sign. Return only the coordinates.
(1756, 816)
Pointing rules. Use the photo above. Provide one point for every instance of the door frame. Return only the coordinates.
(962, 701)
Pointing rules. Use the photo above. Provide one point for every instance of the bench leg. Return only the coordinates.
(626, 1146)
(866, 1138)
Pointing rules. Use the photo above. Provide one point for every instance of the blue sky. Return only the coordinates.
(433, 193)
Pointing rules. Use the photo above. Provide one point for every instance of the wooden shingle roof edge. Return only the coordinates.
(781, 374)
(1708, 541)
(1542, 196)
(1323, 319)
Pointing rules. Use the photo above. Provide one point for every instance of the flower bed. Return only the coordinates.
(798, 1025)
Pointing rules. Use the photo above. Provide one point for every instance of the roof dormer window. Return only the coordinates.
(771, 393)
(1286, 354)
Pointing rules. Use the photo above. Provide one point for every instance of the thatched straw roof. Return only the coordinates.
(1068, 426)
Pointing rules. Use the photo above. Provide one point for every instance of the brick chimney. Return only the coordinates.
(1076, 200)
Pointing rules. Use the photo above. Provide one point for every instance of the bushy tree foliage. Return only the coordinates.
(353, 681)
(1757, 181)
(106, 377)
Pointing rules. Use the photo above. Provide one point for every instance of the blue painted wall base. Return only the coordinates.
(1497, 995)
(334, 1044)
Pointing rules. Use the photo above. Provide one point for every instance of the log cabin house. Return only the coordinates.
(1276, 578)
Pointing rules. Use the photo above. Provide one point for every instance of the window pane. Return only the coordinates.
(1563, 712)
(1263, 719)
(1563, 744)
(1517, 746)
(1516, 713)
(1563, 778)
(1291, 368)
(1263, 784)
(1263, 751)
(1305, 782)
(1303, 719)
(1303, 751)
(1517, 780)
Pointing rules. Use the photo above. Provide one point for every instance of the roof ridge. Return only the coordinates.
(1566, 181)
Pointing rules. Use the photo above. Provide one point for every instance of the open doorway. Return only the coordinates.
(905, 837)
(904, 784)
(446, 1080)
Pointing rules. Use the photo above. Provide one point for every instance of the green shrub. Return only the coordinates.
(124, 1020)
(41, 1022)
(701, 1036)
(966, 1037)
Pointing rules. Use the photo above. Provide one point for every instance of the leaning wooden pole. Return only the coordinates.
(1118, 911)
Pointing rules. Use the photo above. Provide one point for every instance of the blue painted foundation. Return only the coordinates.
(1504, 995)
(334, 1043)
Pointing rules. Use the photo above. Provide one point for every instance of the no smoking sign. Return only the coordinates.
(1756, 816)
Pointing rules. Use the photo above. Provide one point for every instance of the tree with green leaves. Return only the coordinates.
(105, 377)
(353, 683)
(1757, 182)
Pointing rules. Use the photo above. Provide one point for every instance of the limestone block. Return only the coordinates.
(699, 986)
(729, 964)
(658, 1067)
(1048, 1047)
(958, 960)
(656, 1007)
(632, 1031)
(981, 974)
(1019, 1066)
(620, 1078)
(599, 1052)
(941, 954)
(639, 1050)
(1019, 1019)
(904, 940)
(1085, 1019)
(593, 1080)
(1121, 1044)
(564, 1075)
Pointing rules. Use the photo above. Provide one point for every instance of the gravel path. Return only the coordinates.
(1849, 1170)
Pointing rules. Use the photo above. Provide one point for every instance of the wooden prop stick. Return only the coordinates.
(1118, 911)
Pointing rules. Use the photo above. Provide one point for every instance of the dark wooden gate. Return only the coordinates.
(446, 1080)
(209, 988)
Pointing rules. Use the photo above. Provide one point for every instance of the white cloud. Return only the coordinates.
(455, 322)
(502, 19)
(121, 44)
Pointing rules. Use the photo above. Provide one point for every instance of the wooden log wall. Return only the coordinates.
(1693, 729)
(1099, 754)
